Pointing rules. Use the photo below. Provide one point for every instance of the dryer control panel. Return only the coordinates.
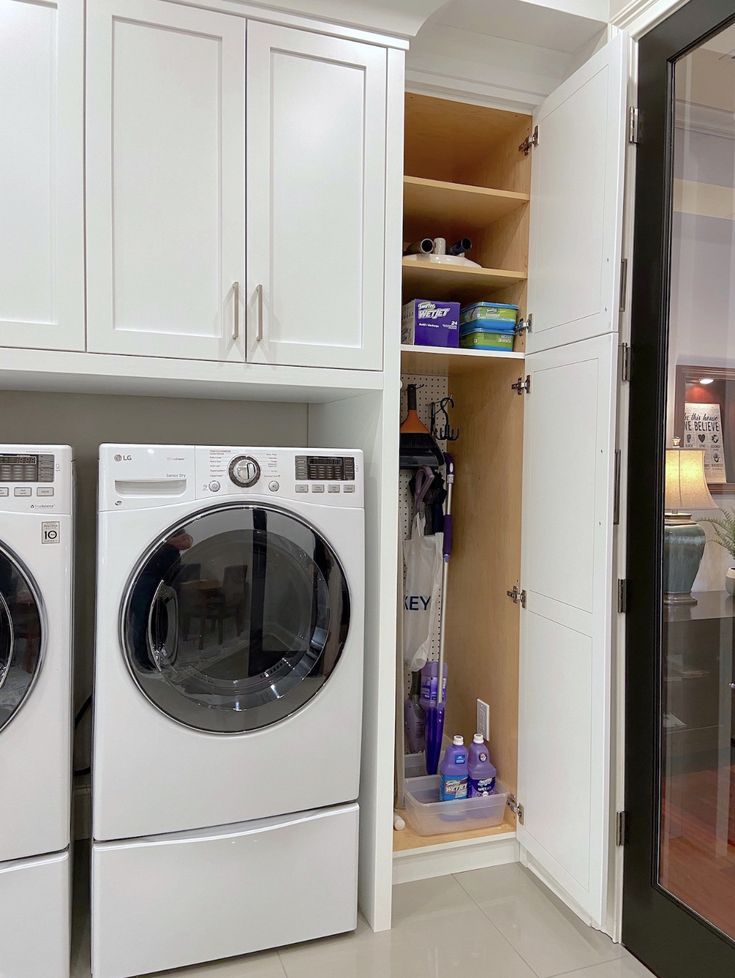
(35, 478)
(141, 476)
(321, 476)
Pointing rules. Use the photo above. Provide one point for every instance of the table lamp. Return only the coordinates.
(686, 490)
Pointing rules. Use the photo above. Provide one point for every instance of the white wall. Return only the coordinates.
(86, 420)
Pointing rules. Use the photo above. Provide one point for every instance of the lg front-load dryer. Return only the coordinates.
(36, 549)
(228, 697)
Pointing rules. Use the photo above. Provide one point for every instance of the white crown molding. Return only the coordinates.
(639, 16)
(456, 64)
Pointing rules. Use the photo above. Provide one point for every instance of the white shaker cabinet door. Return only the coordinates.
(566, 625)
(42, 174)
(576, 203)
(165, 180)
(316, 199)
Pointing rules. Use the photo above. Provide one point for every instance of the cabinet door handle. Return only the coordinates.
(236, 311)
(259, 301)
(732, 687)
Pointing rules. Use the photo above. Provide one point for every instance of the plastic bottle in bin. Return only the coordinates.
(453, 771)
(482, 773)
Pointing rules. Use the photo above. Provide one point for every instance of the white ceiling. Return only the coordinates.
(520, 20)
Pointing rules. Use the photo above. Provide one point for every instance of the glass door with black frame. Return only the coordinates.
(679, 899)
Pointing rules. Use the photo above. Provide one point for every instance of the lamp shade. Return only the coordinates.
(686, 485)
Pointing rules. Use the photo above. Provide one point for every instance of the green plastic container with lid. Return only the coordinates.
(478, 337)
(500, 316)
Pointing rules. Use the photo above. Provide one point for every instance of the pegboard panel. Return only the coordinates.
(430, 389)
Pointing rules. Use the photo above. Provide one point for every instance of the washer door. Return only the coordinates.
(236, 618)
(21, 635)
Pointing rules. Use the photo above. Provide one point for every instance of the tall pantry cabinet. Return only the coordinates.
(530, 602)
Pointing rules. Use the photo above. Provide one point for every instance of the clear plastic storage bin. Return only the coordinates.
(429, 816)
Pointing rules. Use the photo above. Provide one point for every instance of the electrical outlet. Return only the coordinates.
(483, 719)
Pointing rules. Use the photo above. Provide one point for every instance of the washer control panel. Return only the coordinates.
(35, 480)
(327, 478)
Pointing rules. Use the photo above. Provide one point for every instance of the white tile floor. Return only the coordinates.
(491, 923)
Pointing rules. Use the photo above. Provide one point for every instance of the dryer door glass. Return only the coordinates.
(236, 618)
(21, 635)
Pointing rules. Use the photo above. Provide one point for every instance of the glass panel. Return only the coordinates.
(697, 777)
(21, 636)
(236, 618)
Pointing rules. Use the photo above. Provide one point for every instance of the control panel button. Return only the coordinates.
(214, 486)
(244, 471)
(45, 491)
(349, 488)
(302, 487)
(4, 491)
(274, 486)
(317, 487)
(333, 487)
(22, 491)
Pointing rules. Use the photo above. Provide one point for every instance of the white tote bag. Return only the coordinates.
(422, 561)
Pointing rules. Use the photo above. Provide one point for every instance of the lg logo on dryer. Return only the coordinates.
(123, 458)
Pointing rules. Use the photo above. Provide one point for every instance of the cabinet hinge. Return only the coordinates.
(517, 808)
(525, 324)
(522, 386)
(616, 495)
(622, 595)
(621, 828)
(517, 596)
(623, 282)
(625, 362)
(633, 124)
(529, 142)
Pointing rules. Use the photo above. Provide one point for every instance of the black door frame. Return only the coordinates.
(670, 939)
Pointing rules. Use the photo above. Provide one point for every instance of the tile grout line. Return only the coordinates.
(494, 927)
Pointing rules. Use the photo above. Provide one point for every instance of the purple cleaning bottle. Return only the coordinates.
(453, 774)
(482, 773)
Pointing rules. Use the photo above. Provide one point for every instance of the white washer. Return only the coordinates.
(36, 551)
(228, 701)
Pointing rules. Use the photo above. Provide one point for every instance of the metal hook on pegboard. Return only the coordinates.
(441, 428)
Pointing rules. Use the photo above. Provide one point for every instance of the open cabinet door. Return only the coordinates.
(576, 203)
(568, 479)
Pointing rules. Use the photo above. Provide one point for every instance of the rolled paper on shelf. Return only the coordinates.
(423, 247)
(459, 247)
(440, 246)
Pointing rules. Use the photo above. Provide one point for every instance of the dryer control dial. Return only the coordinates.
(244, 471)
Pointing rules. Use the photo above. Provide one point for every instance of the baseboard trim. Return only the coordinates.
(454, 857)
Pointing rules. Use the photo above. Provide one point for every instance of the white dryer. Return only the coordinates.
(36, 550)
(228, 701)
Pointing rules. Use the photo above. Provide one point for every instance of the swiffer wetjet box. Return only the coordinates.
(427, 323)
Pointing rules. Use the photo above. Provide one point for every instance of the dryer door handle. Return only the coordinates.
(7, 637)
(163, 625)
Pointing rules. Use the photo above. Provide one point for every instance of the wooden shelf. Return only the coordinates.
(425, 280)
(437, 360)
(407, 840)
(438, 202)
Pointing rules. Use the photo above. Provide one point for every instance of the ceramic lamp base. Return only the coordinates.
(684, 543)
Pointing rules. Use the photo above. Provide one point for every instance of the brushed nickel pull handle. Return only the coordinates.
(259, 299)
(236, 300)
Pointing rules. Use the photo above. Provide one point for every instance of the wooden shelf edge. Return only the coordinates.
(459, 353)
(504, 276)
(465, 188)
(410, 841)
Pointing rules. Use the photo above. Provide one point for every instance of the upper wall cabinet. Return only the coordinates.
(165, 180)
(316, 199)
(41, 174)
